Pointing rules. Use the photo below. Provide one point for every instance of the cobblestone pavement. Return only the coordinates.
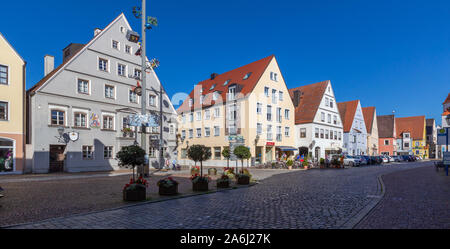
(414, 199)
(327, 198)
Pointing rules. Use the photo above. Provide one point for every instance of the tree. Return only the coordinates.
(199, 153)
(226, 154)
(242, 153)
(132, 155)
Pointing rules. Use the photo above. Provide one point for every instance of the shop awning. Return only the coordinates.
(286, 148)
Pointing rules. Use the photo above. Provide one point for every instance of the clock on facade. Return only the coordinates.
(73, 136)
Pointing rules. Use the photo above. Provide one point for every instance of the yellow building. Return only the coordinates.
(250, 104)
(12, 115)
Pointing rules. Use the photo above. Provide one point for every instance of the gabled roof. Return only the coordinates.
(309, 101)
(347, 111)
(386, 125)
(235, 76)
(13, 49)
(368, 113)
(447, 100)
(413, 125)
(34, 88)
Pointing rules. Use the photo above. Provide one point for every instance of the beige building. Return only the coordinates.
(250, 104)
(370, 117)
(12, 118)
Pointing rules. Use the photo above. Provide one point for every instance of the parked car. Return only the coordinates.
(397, 158)
(379, 159)
(368, 159)
(406, 158)
(362, 159)
(351, 161)
(385, 159)
(418, 158)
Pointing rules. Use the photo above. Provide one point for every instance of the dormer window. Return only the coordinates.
(212, 87)
(115, 44)
(215, 95)
(232, 93)
(226, 82)
(247, 76)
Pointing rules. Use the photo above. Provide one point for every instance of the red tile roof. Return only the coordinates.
(368, 113)
(235, 76)
(309, 101)
(347, 111)
(413, 125)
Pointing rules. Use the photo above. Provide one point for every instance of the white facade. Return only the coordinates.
(355, 141)
(325, 133)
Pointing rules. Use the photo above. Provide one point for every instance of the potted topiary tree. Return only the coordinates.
(199, 153)
(242, 153)
(132, 156)
(289, 163)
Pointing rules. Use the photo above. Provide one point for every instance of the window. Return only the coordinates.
(259, 128)
(286, 114)
(247, 76)
(232, 93)
(83, 86)
(317, 132)
(266, 91)
(133, 98)
(329, 118)
(191, 117)
(152, 152)
(7, 155)
(274, 76)
(417, 144)
(80, 119)
(331, 103)
(183, 134)
(406, 135)
(115, 44)
(216, 112)
(125, 123)
(274, 96)
(183, 118)
(258, 108)
(340, 136)
(232, 114)
(279, 115)
(199, 132)
(207, 114)
(287, 131)
(127, 49)
(217, 153)
(108, 122)
(199, 116)
(327, 102)
(191, 133)
(334, 119)
(280, 95)
(226, 82)
(152, 100)
(57, 117)
(201, 99)
(326, 134)
(321, 133)
(4, 111)
(88, 152)
(137, 73)
(354, 138)
(303, 132)
(4, 75)
(335, 135)
(207, 131)
(269, 132)
(406, 145)
(121, 69)
(216, 131)
(108, 152)
(279, 136)
(269, 113)
(183, 153)
(386, 142)
(323, 116)
(103, 65)
(109, 91)
(331, 134)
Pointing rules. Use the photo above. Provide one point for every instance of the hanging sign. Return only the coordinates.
(147, 120)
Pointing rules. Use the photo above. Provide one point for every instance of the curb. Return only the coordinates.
(133, 205)
(356, 219)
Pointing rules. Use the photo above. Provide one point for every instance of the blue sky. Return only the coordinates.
(394, 55)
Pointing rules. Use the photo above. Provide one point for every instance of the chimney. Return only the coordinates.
(49, 64)
(71, 50)
(214, 75)
(97, 31)
(297, 96)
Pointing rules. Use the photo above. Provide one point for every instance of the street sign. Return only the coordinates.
(148, 120)
(443, 136)
(446, 157)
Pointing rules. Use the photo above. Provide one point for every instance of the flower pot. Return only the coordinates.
(200, 186)
(305, 167)
(225, 184)
(289, 167)
(137, 194)
(243, 180)
(172, 190)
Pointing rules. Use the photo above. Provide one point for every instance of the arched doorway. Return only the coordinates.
(317, 153)
(7, 155)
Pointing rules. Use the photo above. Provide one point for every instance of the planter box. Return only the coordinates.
(223, 184)
(243, 180)
(138, 194)
(173, 190)
(200, 186)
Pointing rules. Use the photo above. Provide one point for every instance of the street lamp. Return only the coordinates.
(61, 131)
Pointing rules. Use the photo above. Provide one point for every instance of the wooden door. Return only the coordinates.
(57, 158)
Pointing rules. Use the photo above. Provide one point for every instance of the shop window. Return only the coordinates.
(6, 155)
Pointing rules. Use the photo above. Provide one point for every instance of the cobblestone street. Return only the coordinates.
(330, 198)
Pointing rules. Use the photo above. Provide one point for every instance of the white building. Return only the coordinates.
(355, 132)
(318, 125)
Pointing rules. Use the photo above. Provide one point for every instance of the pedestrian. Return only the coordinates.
(174, 164)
